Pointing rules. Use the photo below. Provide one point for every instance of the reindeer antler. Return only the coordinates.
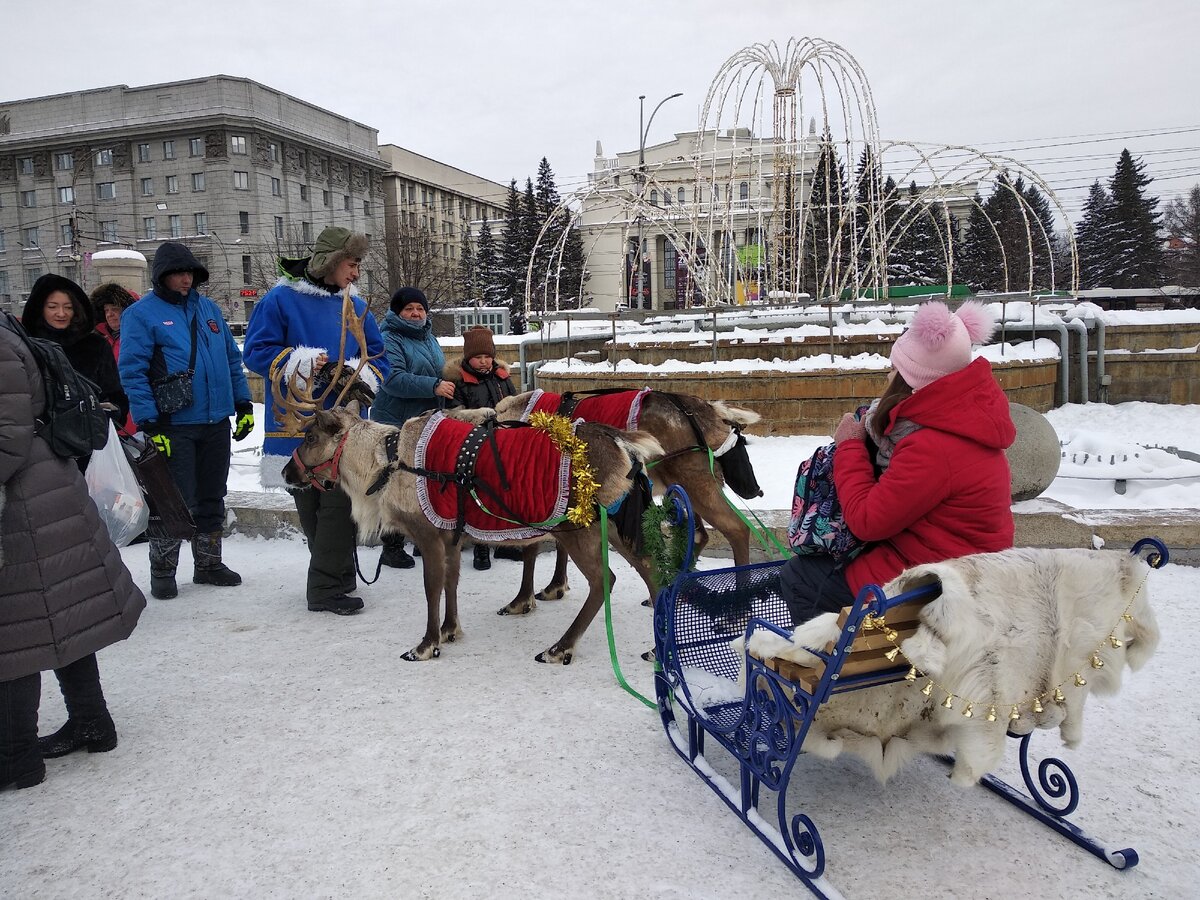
(295, 403)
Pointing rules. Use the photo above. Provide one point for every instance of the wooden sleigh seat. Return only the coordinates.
(759, 711)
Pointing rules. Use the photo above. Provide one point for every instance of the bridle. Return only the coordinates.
(324, 471)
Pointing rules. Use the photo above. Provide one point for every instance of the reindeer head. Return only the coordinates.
(316, 461)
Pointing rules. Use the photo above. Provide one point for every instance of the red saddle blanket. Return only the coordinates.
(539, 478)
(620, 410)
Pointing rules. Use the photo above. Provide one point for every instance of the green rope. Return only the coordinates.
(612, 645)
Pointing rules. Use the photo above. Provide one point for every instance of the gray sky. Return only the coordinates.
(492, 87)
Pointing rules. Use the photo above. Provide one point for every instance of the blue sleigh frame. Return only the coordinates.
(763, 725)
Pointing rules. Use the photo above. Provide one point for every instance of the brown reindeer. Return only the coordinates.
(685, 426)
(377, 467)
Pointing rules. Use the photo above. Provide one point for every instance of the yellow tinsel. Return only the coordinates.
(559, 430)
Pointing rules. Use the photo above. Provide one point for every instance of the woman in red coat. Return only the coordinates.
(939, 486)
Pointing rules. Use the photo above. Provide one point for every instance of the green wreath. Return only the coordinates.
(666, 553)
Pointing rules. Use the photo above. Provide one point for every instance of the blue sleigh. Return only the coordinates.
(762, 722)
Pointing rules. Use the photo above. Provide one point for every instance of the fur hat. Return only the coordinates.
(938, 342)
(407, 295)
(335, 244)
(110, 294)
(478, 340)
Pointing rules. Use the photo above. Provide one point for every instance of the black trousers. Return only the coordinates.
(814, 584)
(325, 518)
(199, 463)
(20, 698)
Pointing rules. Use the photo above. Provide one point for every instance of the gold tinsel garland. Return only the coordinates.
(559, 430)
(1036, 703)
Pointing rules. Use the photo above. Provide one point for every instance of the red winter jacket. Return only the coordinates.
(947, 491)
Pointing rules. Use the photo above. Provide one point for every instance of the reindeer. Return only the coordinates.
(686, 427)
(377, 467)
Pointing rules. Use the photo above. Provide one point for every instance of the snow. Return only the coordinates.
(118, 254)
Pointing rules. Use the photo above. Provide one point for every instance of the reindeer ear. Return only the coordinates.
(353, 407)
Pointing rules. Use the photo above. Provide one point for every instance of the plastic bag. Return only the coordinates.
(115, 491)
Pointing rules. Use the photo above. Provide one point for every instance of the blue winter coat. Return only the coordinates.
(219, 379)
(417, 362)
(294, 323)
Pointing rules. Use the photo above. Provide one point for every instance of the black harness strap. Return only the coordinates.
(390, 445)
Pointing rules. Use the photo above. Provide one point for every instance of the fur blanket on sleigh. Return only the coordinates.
(1008, 627)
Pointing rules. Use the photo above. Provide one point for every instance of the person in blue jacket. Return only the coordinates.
(156, 342)
(413, 386)
(296, 330)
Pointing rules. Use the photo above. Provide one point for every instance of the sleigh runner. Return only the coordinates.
(761, 710)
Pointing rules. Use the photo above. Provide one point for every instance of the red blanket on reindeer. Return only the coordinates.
(538, 478)
(621, 409)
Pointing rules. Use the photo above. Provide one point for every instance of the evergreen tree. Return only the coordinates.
(574, 274)
(1182, 221)
(1135, 247)
(869, 208)
(787, 240)
(827, 236)
(918, 257)
(1038, 207)
(531, 226)
(1092, 237)
(978, 261)
(488, 274)
(513, 260)
(465, 276)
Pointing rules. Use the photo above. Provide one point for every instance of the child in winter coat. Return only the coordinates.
(944, 490)
(482, 381)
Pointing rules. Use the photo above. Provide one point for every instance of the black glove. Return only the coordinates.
(244, 421)
(359, 390)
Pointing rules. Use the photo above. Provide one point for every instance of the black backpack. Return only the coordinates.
(73, 422)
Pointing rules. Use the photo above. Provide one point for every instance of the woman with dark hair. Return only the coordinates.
(59, 310)
(109, 301)
(938, 484)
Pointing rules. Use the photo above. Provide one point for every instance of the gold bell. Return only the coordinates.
(1059, 696)
(1097, 662)
(991, 716)
(1080, 681)
(892, 654)
(1127, 617)
(869, 623)
(891, 635)
(1115, 642)
(912, 674)
(1015, 714)
(1037, 705)
(928, 689)
(968, 712)
(949, 701)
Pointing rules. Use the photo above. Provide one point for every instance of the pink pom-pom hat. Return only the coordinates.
(938, 342)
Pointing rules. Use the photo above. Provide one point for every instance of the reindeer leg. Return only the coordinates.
(557, 588)
(583, 547)
(524, 602)
(433, 568)
(451, 629)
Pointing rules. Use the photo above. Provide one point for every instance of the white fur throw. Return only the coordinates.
(1008, 627)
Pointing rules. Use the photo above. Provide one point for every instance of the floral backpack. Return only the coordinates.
(817, 525)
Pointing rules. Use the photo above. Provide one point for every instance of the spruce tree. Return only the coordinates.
(1045, 241)
(1135, 247)
(531, 226)
(488, 275)
(1182, 222)
(513, 260)
(1092, 237)
(870, 203)
(787, 239)
(827, 238)
(465, 275)
(978, 261)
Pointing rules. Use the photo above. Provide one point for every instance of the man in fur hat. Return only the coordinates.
(297, 329)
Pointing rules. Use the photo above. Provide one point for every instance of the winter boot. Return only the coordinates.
(98, 735)
(21, 763)
(341, 604)
(164, 559)
(206, 552)
(514, 553)
(482, 557)
(393, 552)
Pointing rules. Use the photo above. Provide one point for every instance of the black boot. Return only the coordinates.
(206, 551)
(514, 553)
(342, 605)
(482, 557)
(164, 559)
(98, 735)
(21, 763)
(393, 552)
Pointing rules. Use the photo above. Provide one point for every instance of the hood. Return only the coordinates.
(968, 402)
(173, 257)
(393, 322)
(35, 324)
(110, 294)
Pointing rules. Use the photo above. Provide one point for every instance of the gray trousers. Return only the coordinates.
(325, 518)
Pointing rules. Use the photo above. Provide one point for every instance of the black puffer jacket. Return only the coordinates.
(89, 353)
(474, 391)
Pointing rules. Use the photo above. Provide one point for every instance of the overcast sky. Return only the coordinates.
(492, 87)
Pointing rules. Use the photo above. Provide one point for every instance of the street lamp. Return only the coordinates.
(642, 132)
(228, 273)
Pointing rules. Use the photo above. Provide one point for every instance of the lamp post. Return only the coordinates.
(228, 273)
(642, 132)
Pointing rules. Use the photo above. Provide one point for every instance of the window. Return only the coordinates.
(306, 232)
(244, 222)
(147, 187)
(104, 157)
(66, 195)
(744, 190)
(325, 197)
(176, 223)
(64, 162)
(669, 264)
(106, 190)
(302, 159)
(195, 147)
(273, 152)
(66, 235)
(680, 195)
(237, 144)
(25, 165)
(2, 239)
(172, 184)
(412, 193)
(143, 153)
(304, 192)
(346, 202)
(197, 181)
(366, 207)
(241, 181)
(666, 198)
(150, 228)
(29, 237)
(616, 180)
(279, 228)
(247, 270)
(276, 188)
(108, 232)
(654, 198)
(424, 196)
(33, 275)
(5, 288)
(200, 220)
(168, 149)
(29, 199)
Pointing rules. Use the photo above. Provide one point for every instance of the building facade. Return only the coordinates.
(238, 171)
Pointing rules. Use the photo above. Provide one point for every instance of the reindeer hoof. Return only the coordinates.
(517, 607)
(552, 592)
(649, 601)
(648, 656)
(552, 655)
(421, 653)
(451, 634)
